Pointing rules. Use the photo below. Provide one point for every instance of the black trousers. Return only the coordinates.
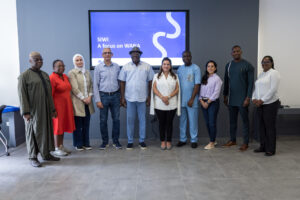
(165, 121)
(267, 115)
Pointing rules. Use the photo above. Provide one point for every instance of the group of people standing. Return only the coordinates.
(61, 103)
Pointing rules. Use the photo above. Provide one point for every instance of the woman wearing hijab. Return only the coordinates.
(165, 101)
(61, 93)
(265, 98)
(82, 91)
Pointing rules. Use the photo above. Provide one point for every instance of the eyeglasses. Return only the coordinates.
(108, 53)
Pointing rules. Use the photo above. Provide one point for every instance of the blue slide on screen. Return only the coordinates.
(158, 34)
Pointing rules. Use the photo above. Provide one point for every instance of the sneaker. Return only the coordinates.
(209, 146)
(49, 157)
(129, 146)
(59, 152)
(117, 145)
(87, 147)
(180, 144)
(64, 149)
(194, 145)
(143, 145)
(103, 146)
(79, 148)
(35, 162)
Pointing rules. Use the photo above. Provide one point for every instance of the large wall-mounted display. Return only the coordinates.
(157, 33)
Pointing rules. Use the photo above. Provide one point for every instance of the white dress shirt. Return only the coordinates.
(165, 86)
(266, 86)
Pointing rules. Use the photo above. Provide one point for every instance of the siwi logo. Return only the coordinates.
(167, 35)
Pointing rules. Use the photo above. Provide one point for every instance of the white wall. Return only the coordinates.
(9, 51)
(279, 36)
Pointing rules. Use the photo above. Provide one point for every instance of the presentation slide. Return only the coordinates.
(157, 33)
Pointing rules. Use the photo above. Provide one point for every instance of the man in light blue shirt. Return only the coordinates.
(190, 78)
(136, 80)
(107, 97)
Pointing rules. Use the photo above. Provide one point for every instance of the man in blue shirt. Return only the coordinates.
(190, 78)
(107, 97)
(136, 80)
(238, 85)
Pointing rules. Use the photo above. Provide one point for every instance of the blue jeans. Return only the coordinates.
(233, 117)
(132, 109)
(210, 115)
(112, 103)
(81, 134)
(192, 114)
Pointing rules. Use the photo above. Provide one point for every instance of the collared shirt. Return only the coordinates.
(266, 86)
(238, 82)
(189, 76)
(137, 79)
(212, 88)
(165, 86)
(105, 79)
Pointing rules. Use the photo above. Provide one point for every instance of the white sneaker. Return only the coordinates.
(209, 146)
(87, 148)
(59, 152)
(64, 149)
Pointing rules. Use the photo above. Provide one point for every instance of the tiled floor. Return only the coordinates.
(182, 173)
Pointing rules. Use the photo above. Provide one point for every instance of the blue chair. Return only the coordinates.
(2, 137)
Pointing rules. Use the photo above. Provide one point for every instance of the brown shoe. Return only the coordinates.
(244, 147)
(229, 144)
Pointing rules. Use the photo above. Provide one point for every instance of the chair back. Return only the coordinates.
(1, 110)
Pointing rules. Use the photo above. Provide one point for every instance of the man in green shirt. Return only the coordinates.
(238, 85)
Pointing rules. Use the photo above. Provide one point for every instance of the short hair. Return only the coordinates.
(236, 46)
(55, 61)
(270, 58)
(187, 51)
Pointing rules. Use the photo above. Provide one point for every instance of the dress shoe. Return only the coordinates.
(49, 157)
(258, 150)
(194, 145)
(244, 147)
(35, 162)
(269, 154)
(180, 144)
(229, 144)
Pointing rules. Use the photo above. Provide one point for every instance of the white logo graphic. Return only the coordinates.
(167, 35)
